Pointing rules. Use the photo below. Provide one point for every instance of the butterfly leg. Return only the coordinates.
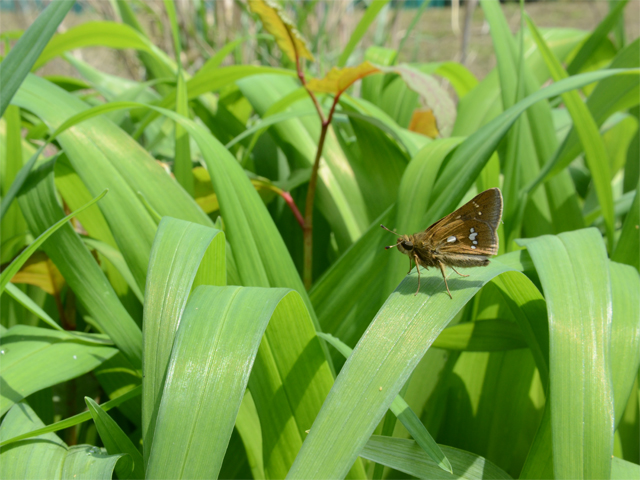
(457, 271)
(418, 269)
(410, 265)
(441, 265)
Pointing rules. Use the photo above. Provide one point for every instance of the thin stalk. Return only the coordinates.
(307, 272)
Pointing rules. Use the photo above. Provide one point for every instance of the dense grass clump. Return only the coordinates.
(194, 277)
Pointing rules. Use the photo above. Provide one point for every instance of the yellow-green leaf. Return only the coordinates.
(274, 20)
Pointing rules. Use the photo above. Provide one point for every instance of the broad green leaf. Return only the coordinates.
(12, 269)
(80, 270)
(579, 300)
(116, 442)
(18, 62)
(36, 358)
(482, 336)
(55, 460)
(184, 255)
(406, 456)
(387, 353)
(623, 470)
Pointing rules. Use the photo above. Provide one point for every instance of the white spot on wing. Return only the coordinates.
(451, 239)
(473, 246)
(472, 229)
(475, 242)
(473, 236)
(479, 213)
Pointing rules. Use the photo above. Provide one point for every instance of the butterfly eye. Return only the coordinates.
(407, 245)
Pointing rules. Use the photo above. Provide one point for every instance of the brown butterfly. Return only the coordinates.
(464, 238)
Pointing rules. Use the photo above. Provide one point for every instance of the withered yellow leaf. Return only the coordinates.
(275, 22)
(40, 271)
(423, 121)
(339, 79)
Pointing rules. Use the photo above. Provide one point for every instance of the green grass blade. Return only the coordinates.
(628, 247)
(182, 165)
(22, 298)
(36, 358)
(403, 411)
(65, 248)
(396, 339)
(117, 260)
(406, 456)
(363, 25)
(71, 421)
(18, 62)
(15, 265)
(593, 42)
(595, 152)
(116, 442)
(609, 96)
(232, 320)
(625, 333)
(112, 159)
(13, 228)
(55, 459)
(469, 158)
(578, 295)
(104, 34)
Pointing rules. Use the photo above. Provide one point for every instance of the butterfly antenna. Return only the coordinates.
(390, 231)
(390, 246)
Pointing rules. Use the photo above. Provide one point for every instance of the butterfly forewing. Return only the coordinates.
(471, 229)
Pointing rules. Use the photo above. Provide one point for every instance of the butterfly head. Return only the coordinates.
(405, 244)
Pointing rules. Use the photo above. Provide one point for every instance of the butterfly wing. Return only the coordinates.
(471, 229)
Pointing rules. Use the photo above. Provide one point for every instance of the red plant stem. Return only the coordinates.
(307, 271)
(292, 205)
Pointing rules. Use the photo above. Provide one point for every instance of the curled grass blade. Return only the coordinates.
(578, 296)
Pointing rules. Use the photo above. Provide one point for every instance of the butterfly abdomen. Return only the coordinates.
(461, 260)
